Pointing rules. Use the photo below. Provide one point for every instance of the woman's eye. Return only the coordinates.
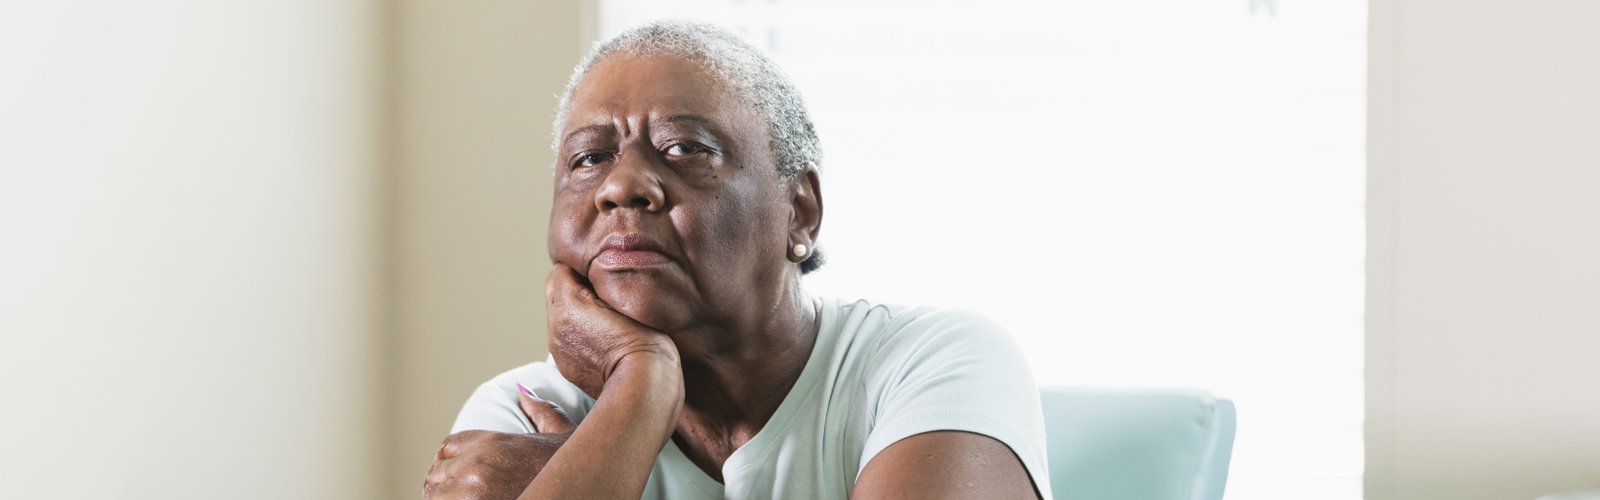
(591, 159)
(682, 149)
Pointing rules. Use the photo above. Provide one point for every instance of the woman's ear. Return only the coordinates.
(805, 200)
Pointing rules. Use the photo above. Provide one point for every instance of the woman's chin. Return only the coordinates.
(656, 308)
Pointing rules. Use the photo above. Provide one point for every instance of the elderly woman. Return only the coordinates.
(686, 361)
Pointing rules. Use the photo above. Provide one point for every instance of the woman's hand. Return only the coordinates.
(589, 341)
(588, 338)
(486, 465)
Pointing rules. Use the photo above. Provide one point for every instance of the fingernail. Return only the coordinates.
(525, 390)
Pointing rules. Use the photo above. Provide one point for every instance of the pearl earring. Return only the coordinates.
(799, 250)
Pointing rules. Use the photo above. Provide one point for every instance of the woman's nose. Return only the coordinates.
(632, 183)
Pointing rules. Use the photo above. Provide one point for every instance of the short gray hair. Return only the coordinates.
(748, 72)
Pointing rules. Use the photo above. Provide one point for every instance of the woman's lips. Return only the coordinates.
(622, 251)
(622, 259)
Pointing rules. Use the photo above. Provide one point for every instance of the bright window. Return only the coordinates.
(1146, 193)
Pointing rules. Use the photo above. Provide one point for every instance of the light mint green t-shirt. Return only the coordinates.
(877, 374)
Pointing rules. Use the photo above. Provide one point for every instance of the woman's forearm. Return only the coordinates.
(611, 453)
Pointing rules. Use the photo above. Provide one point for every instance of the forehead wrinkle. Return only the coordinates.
(612, 118)
(624, 123)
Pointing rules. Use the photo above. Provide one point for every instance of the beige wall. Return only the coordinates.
(188, 242)
(475, 93)
(266, 249)
(1483, 333)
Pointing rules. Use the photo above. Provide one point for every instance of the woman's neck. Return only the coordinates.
(735, 378)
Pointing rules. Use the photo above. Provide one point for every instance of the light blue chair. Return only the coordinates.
(1137, 443)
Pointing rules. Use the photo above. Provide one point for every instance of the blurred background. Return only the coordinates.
(1040, 162)
(265, 249)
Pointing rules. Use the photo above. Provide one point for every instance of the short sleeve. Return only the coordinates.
(951, 370)
(493, 406)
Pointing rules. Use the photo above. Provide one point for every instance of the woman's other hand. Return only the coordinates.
(588, 338)
(547, 418)
(485, 465)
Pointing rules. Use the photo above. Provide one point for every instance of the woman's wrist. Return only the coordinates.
(611, 453)
(655, 378)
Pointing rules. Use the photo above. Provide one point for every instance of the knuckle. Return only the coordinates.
(454, 443)
(472, 481)
(584, 293)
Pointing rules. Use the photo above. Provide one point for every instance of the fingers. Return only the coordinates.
(437, 474)
(588, 337)
(565, 283)
(439, 479)
(447, 486)
(546, 416)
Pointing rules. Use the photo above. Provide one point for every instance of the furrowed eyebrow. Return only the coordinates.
(703, 123)
(587, 130)
(691, 118)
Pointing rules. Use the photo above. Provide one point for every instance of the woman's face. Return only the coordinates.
(666, 195)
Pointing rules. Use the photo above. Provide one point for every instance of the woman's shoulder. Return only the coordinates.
(870, 320)
(923, 369)
(885, 336)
